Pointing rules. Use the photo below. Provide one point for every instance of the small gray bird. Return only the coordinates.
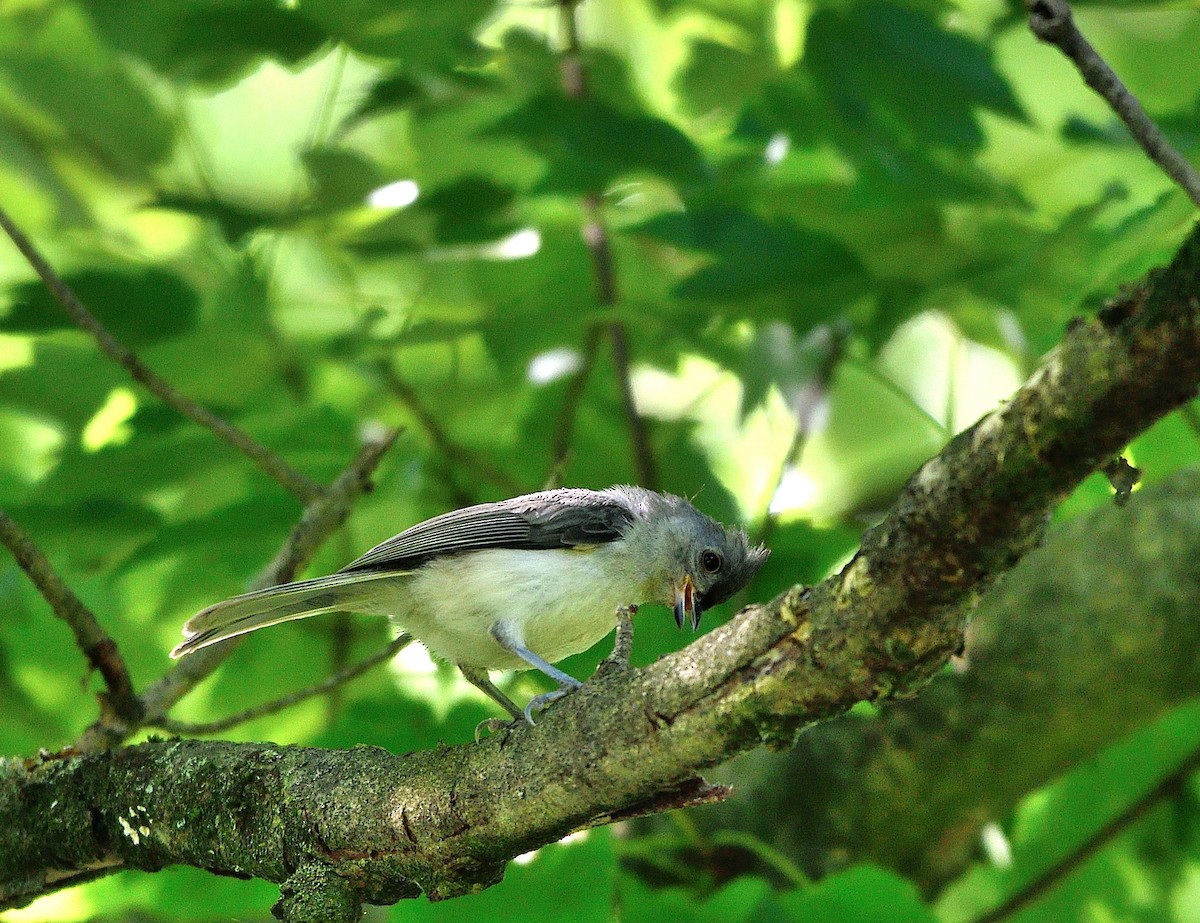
(517, 584)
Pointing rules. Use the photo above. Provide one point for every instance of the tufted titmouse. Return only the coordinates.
(517, 584)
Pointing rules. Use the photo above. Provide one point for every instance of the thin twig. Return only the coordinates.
(188, 729)
(1170, 785)
(455, 453)
(271, 463)
(99, 649)
(643, 457)
(596, 238)
(564, 431)
(1052, 22)
(808, 404)
(320, 520)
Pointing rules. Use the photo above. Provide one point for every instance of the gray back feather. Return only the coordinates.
(562, 518)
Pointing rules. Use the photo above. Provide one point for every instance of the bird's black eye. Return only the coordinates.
(710, 560)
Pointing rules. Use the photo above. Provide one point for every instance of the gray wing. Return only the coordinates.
(560, 518)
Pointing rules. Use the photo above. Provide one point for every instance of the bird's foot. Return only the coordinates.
(492, 726)
(546, 699)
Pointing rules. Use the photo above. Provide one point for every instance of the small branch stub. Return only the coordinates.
(314, 894)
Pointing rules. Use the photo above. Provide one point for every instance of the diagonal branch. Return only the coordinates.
(1170, 785)
(320, 519)
(454, 453)
(295, 482)
(336, 681)
(99, 649)
(564, 430)
(1052, 22)
(446, 820)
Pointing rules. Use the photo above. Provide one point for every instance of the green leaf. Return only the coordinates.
(756, 257)
(212, 41)
(470, 209)
(343, 177)
(414, 32)
(53, 63)
(739, 901)
(589, 144)
(897, 74)
(140, 306)
(387, 94)
(863, 894)
(236, 221)
(565, 881)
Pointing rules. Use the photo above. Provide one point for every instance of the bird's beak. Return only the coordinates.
(685, 604)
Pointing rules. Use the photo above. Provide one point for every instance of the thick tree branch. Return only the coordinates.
(268, 461)
(1052, 22)
(447, 820)
(1110, 593)
(99, 649)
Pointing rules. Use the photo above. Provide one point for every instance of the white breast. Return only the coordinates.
(560, 602)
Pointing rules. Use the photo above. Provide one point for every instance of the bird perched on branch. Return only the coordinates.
(517, 584)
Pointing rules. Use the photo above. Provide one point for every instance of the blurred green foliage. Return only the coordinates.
(316, 217)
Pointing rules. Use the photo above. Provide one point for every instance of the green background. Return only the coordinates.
(921, 185)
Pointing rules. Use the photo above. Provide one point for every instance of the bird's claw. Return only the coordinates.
(546, 699)
(492, 726)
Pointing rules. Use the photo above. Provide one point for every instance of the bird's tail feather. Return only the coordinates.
(276, 604)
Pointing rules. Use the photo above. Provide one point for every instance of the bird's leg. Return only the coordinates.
(622, 643)
(566, 683)
(479, 679)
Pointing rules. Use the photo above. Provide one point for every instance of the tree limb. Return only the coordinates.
(596, 238)
(1110, 593)
(190, 729)
(320, 519)
(454, 453)
(1053, 22)
(1169, 786)
(447, 820)
(99, 649)
(271, 463)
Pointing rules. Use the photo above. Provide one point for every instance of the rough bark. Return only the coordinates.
(447, 820)
(1111, 594)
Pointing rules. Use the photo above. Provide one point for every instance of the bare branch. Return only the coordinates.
(456, 454)
(271, 463)
(808, 400)
(287, 701)
(99, 649)
(643, 457)
(564, 431)
(1168, 787)
(596, 238)
(1052, 22)
(320, 520)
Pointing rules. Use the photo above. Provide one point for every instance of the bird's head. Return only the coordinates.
(708, 563)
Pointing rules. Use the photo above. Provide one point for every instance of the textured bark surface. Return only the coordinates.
(1111, 594)
(447, 820)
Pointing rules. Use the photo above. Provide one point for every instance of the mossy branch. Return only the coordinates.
(446, 821)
